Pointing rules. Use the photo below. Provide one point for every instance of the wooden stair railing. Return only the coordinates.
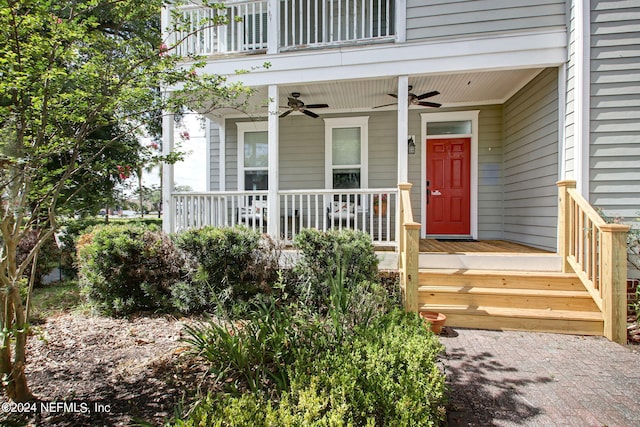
(409, 249)
(597, 252)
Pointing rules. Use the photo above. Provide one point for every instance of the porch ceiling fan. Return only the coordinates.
(296, 104)
(416, 99)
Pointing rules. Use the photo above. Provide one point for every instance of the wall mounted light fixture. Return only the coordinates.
(411, 145)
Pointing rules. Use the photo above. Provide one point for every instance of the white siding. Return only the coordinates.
(615, 108)
(531, 163)
(451, 18)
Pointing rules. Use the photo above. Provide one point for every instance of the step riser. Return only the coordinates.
(504, 281)
(485, 261)
(573, 327)
(533, 302)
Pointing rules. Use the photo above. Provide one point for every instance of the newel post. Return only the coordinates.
(564, 222)
(411, 266)
(409, 248)
(614, 281)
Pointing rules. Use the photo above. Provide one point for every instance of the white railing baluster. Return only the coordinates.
(301, 19)
(362, 19)
(346, 20)
(388, 18)
(320, 209)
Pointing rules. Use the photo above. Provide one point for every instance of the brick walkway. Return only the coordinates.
(535, 379)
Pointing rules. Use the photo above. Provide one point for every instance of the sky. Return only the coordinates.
(193, 170)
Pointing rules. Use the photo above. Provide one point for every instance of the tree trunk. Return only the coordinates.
(17, 388)
(140, 192)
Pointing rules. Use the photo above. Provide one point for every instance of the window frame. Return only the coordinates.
(246, 127)
(361, 122)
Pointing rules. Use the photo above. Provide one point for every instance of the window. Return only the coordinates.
(253, 156)
(346, 141)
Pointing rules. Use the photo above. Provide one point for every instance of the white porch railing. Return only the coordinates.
(223, 209)
(372, 211)
(302, 23)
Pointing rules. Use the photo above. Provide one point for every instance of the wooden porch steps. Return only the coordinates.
(510, 300)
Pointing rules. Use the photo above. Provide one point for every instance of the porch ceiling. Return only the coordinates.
(465, 89)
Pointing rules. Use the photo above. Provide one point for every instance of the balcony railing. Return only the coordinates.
(312, 23)
(372, 211)
(245, 29)
(302, 24)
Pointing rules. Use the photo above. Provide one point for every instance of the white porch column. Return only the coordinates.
(273, 26)
(403, 128)
(168, 214)
(273, 212)
(581, 91)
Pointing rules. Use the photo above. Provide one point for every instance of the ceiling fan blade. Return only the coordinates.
(310, 114)
(317, 106)
(286, 113)
(430, 104)
(428, 94)
(385, 105)
(393, 95)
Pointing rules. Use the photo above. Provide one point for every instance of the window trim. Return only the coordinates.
(361, 122)
(244, 127)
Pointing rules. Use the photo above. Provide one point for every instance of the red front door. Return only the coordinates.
(449, 186)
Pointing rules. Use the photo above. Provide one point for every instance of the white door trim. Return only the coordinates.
(425, 118)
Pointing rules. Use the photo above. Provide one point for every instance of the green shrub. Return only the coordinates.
(228, 267)
(72, 229)
(128, 268)
(386, 375)
(320, 253)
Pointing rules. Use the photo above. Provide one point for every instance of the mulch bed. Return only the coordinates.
(122, 370)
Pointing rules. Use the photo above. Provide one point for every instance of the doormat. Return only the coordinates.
(456, 240)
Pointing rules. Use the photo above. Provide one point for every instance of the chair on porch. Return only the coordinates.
(341, 212)
(254, 214)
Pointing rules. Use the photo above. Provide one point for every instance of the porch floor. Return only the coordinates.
(493, 246)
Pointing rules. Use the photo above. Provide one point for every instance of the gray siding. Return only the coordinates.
(231, 152)
(301, 153)
(615, 108)
(531, 163)
(451, 18)
(302, 145)
(490, 173)
(214, 157)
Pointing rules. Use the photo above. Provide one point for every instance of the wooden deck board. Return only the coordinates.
(495, 246)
